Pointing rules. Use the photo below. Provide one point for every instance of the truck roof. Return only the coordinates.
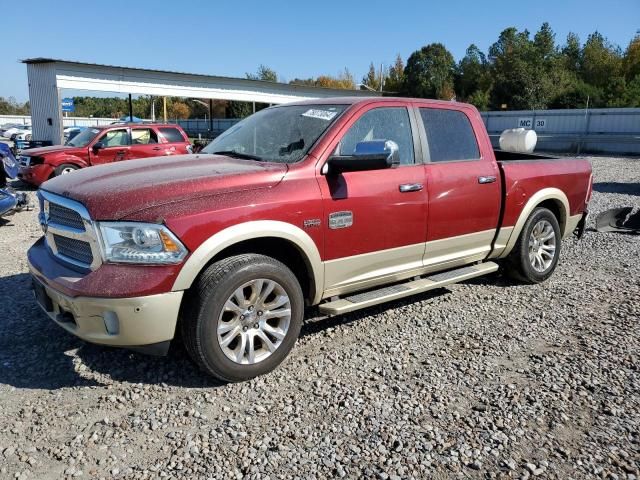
(364, 100)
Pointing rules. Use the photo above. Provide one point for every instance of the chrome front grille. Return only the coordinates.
(69, 232)
(75, 249)
(65, 216)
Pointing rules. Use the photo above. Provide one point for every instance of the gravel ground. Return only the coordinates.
(484, 379)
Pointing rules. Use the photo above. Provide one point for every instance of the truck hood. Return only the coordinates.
(114, 191)
(34, 152)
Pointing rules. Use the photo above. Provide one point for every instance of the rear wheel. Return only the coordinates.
(64, 169)
(535, 255)
(243, 317)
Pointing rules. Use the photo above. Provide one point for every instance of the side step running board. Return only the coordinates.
(412, 287)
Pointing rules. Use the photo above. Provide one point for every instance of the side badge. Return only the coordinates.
(340, 220)
(314, 222)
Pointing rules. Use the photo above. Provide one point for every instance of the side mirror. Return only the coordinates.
(369, 155)
(97, 146)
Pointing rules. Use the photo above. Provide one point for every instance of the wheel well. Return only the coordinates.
(556, 207)
(282, 250)
(55, 167)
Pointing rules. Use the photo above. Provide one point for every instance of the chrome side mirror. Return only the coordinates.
(368, 155)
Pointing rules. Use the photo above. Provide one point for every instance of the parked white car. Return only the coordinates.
(8, 126)
(22, 134)
(8, 133)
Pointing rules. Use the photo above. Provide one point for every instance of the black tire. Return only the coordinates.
(518, 264)
(64, 169)
(204, 306)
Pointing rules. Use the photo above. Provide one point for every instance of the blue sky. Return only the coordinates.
(297, 39)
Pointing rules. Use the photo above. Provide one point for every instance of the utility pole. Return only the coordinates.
(164, 108)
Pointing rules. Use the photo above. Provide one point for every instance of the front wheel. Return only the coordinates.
(242, 317)
(65, 169)
(535, 255)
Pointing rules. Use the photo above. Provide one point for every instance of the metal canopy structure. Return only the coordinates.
(47, 76)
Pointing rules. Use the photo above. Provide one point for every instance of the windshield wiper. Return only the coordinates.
(233, 153)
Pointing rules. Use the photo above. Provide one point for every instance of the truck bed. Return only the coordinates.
(502, 155)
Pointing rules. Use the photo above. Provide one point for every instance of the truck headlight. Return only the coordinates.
(133, 242)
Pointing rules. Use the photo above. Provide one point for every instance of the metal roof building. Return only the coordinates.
(47, 76)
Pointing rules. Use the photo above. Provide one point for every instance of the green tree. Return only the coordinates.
(527, 74)
(9, 106)
(429, 73)
(572, 53)
(395, 77)
(264, 73)
(601, 61)
(576, 96)
(473, 78)
(632, 93)
(373, 78)
(631, 61)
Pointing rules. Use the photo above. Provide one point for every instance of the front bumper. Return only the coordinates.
(141, 323)
(35, 175)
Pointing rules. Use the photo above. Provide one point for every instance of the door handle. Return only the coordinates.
(411, 187)
(487, 179)
(157, 148)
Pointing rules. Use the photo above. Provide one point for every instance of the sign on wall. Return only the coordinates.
(67, 105)
(528, 122)
(525, 122)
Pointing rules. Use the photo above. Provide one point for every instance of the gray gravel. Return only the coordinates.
(484, 379)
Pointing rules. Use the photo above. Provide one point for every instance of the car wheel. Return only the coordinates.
(65, 169)
(535, 255)
(242, 317)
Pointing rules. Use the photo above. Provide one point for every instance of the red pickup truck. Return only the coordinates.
(340, 203)
(99, 145)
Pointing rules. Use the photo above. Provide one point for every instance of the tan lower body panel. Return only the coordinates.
(133, 321)
(394, 292)
(368, 270)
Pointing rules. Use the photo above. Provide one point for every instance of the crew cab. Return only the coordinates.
(341, 203)
(100, 145)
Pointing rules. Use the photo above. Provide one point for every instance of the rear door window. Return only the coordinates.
(143, 136)
(449, 136)
(172, 135)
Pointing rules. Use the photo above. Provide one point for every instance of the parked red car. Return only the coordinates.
(342, 203)
(100, 145)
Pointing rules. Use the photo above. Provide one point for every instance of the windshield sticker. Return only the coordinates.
(321, 114)
(93, 130)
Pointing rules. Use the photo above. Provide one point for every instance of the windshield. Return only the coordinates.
(278, 134)
(83, 139)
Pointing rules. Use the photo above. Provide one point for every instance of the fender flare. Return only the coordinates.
(69, 159)
(247, 231)
(536, 199)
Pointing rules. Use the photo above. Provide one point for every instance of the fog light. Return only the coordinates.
(111, 323)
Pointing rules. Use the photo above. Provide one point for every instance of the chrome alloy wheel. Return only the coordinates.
(67, 170)
(542, 246)
(254, 321)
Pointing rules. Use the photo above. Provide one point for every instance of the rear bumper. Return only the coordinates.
(144, 323)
